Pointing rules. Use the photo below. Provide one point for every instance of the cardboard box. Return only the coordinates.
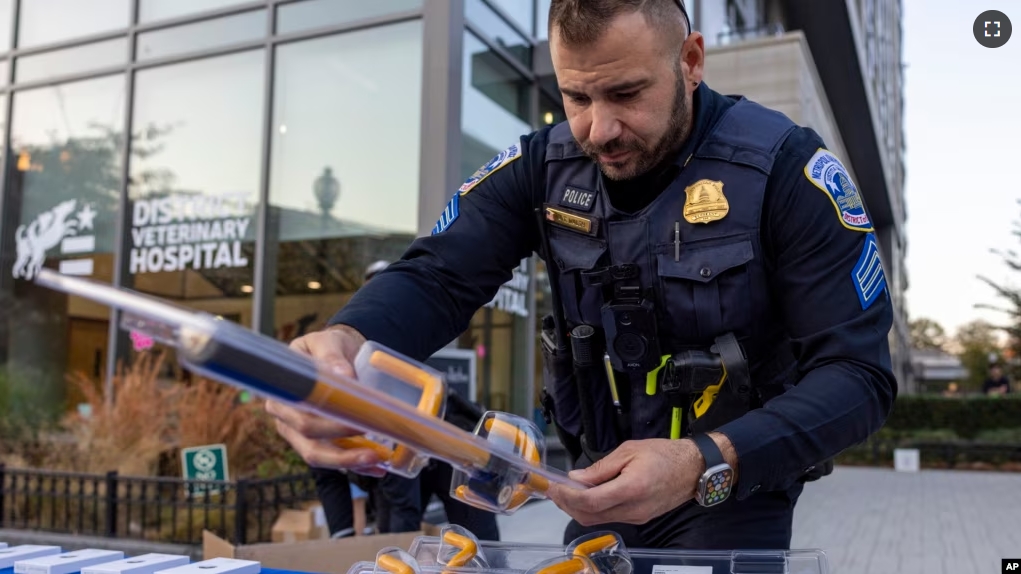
(327, 556)
(297, 526)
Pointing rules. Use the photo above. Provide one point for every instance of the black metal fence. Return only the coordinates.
(156, 509)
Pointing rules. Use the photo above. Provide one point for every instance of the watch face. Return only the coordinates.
(716, 485)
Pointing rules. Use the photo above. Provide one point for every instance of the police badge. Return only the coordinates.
(705, 202)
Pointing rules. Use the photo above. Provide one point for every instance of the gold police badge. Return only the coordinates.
(705, 202)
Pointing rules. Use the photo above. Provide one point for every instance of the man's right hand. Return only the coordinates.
(312, 435)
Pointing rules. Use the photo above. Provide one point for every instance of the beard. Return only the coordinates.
(646, 156)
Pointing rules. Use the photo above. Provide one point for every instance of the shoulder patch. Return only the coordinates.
(828, 174)
(869, 279)
(501, 160)
(449, 215)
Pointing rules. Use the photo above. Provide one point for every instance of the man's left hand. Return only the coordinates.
(637, 482)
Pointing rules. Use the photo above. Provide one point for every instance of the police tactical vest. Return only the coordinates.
(717, 285)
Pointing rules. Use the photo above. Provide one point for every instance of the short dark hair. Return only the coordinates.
(581, 22)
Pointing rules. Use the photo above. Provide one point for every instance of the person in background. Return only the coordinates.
(996, 383)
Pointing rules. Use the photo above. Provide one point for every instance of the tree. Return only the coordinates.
(977, 343)
(86, 168)
(927, 334)
(1012, 309)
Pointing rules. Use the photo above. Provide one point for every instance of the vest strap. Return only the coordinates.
(731, 141)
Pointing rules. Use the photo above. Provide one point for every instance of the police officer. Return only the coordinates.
(722, 317)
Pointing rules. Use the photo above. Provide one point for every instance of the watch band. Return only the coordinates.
(710, 452)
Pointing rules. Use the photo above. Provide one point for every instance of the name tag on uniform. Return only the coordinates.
(577, 198)
(573, 221)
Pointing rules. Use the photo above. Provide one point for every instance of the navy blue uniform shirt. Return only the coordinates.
(846, 386)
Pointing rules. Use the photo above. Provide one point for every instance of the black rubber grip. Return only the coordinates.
(262, 374)
(581, 345)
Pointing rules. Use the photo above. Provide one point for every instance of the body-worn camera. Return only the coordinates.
(629, 319)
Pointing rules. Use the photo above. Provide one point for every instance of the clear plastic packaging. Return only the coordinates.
(459, 548)
(596, 553)
(565, 565)
(413, 383)
(393, 560)
(605, 550)
(229, 353)
(518, 437)
(514, 558)
(362, 567)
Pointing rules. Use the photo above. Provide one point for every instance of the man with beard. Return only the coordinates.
(715, 257)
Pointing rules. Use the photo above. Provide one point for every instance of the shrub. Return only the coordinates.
(141, 429)
(967, 417)
(126, 434)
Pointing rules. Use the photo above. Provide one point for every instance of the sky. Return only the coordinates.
(962, 125)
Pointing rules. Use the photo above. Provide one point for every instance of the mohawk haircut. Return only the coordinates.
(582, 22)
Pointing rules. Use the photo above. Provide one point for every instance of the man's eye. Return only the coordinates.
(627, 95)
(579, 100)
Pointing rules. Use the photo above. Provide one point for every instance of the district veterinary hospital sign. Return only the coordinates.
(203, 232)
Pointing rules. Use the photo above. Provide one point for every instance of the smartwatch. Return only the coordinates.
(717, 481)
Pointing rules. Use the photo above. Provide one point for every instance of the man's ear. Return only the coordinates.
(693, 58)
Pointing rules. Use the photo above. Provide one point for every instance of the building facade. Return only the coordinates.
(250, 158)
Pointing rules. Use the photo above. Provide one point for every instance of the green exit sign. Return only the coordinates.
(207, 462)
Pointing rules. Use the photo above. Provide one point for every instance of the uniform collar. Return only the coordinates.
(707, 107)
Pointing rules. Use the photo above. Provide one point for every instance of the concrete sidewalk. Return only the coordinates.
(871, 520)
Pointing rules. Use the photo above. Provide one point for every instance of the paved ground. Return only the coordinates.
(878, 521)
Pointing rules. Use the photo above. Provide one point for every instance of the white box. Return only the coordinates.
(906, 460)
(144, 564)
(217, 566)
(8, 556)
(66, 563)
(3, 545)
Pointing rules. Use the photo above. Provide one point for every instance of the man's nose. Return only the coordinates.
(605, 126)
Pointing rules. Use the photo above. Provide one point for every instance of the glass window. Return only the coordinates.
(492, 25)
(300, 16)
(194, 185)
(152, 10)
(551, 110)
(6, 13)
(5, 70)
(63, 186)
(344, 174)
(202, 35)
(500, 336)
(47, 21)
(542, 20)
(71, 60)
(691, 7)
(495, 115)
(494, 109)
(521, 11)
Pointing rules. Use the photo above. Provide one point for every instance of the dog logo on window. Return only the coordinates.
(43, 234)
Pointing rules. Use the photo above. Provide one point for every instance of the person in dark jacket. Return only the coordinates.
(719, 257)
